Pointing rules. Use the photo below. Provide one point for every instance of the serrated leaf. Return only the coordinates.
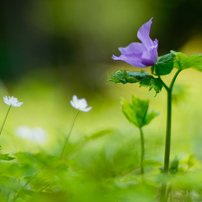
(152, 83)
(164, 65)
(143, 78)
(192, 61)
(137, 112)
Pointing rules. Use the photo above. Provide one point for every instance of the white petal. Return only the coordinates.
(17, 104)
(12, 101)
(74, 99)
(24, 132)
(72, 103)
(82, 103)
(6, 100)
(86, 109)
(37, 134)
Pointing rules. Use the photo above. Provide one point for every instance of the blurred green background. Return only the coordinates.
(51, 50)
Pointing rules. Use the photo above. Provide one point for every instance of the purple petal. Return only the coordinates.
(143, 34)
(133, 48)
(135, 59)
(154, 48)
(149, 58)
(140, 54)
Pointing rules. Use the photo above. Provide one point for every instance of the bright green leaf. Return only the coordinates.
(150, 116)
(129, 113)
(137, 112)
(164, 65)
(143, 78)
(192, 61)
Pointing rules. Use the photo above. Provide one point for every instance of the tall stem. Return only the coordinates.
(5, 119)
(167, 145)
(142, 152)
(168, 131)
(69, 134)
(168, 134)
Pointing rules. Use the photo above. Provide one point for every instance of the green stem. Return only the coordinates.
(69, 134)
(174, 78)
(5, 119)
(164, 85)
(168, 131)
(167, 145)
(168, 134)
(142, 152)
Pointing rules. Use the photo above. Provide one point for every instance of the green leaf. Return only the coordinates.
(143, 78)
(192, 61)
(6, 157)
(137, 112)
(150, 116)
(190, 161)
(164, 65)
(174, 166)
(180, 61)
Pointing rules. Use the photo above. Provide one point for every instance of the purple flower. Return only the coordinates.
(140, 54)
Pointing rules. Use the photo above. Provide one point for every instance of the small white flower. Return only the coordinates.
(80, 104)
(37, 134)
(12, 101)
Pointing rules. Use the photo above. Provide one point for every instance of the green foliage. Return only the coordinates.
(184, 62)
(174, 166)
(164, 65)
(108, 172)
(6, 157)
(190, 161)
(137, 112)
(97, 174)
(143, 78)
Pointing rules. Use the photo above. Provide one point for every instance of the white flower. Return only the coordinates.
(12, 101)
(80, 104)
(37, 134)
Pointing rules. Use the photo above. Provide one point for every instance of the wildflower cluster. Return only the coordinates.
(117, 170)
